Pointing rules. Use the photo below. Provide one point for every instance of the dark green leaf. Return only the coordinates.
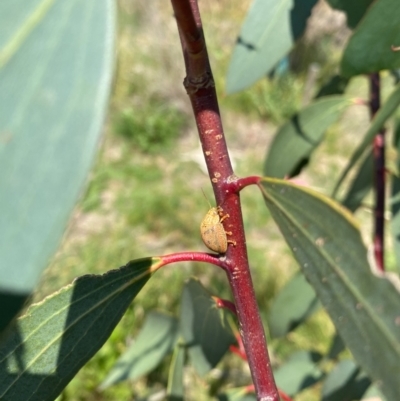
(387, 109)
(155, 340)
(335, 86)
(55, 338)
(298, 372)
(361, 184)
(327, 244)
(204, 327)
(175, 380)
(293, 304)
(267, 35)
(337, 347)
(369, 48)
(56, 62)
(354, 9)
(345, 382)
(296, 139)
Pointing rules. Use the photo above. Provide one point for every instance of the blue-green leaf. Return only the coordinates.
(293, 304)
(155, 340)
(364, 307)
(369, 48)
(298, 372)
(268, 33)
(296, 139)
(201, 321)
(56, 62)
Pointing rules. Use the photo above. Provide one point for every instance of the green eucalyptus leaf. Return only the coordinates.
(336, 85)
(386, 111)
(336, 348)
(56, 63)
(268, 33)
(296, 139)
(327, 244)
(49, 344)
(175, 379)
(354, 9)
(345, 382)
(361, 184)
(369, 48)
(298, 372)
(292, 306)
(204, 327)
(154, 342)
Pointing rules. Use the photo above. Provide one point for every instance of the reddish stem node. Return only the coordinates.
(235, 184)
(225, 304)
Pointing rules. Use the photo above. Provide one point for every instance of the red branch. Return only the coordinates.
(380, 175)
(199, 85)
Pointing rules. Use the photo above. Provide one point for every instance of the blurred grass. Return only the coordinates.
(144, 195)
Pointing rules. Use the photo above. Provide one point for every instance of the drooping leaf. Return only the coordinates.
(56, 62)
(204, 327)
(298, 372)
(369, 48)
(293, 305)
(295, 140)
(346, 382)
(55, 338)
(361, 184)
(386, 111)
(268, 33)
(175, 389)
(155, 340)
(325, 240)
(354, 9)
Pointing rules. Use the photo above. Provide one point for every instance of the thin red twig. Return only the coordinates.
(211, 258)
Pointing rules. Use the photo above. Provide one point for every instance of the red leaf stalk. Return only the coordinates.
(199, 85)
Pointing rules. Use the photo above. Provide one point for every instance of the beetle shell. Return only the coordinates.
(213, 232)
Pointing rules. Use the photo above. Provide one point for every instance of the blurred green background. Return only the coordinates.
(144, 195)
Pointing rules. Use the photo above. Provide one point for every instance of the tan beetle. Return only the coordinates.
(212, 231)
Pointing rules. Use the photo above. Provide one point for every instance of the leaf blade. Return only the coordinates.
(369, 48)
(297, 138)
(327, 245)
(57, 336)
(54, 83)
(267, 34)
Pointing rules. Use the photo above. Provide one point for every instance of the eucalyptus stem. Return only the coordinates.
(379, 175)
(200, 87)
